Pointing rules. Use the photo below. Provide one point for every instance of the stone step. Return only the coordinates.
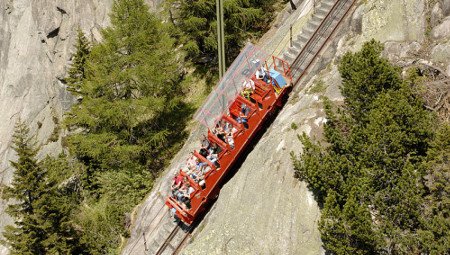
(297, 44)
(302, 40)
(327, 4)
(288, 57)
(293, 51)
(307, 32)
(321, 12)
(310, 28)
(316, 18)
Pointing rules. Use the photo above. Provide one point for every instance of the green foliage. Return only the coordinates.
(26, 236)
(44, 207)
(381, 174)
(294, 126)
(129, 122)
(77, 71)
(319, 87)
(244, 19)
(365, 75)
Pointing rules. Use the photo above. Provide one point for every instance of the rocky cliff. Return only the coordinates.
(36, 42)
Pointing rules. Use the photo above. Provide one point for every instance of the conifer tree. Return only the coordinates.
(197, 21)
(130, 92)
(390, 164)
(26, 236)
(130, 121)
(331, 225)
(77, 71)
(364, 75)
(42, 209)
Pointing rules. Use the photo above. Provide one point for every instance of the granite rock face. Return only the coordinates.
(36, 42)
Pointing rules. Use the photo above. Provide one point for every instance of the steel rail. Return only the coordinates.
(181, 244)
(319, 35)
(151, 222)
(166, 243)
(312, 36)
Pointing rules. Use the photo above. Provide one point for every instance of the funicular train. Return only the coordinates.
(250, 91)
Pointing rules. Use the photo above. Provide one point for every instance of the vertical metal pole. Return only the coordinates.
(290, 34)
(222, 28)
(220, 37)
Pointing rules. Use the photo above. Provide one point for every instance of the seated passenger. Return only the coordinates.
(177, 181)
(261, 74)
(203, 152)
(248, 86)
(229, 129)
(190, 190)
(205, 142)
(213, 158)
(219, 132)
(214, 148)
(181, 193)
(201, 166)
(243, 115)
(230, 140)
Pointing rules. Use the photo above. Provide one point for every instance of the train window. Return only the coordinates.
(260, 106)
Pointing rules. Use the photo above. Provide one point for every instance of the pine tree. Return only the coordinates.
(56, 207)
(364, 76)
(197, 22)
(130, 121)
(77, 71)
(43, 208)
(26, 236)
(383, 151)
(130, 93)
(331, 226)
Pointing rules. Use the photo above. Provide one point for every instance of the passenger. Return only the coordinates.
(192, 161)
(203, 152)
(261, 74)
(181, 193)
(200, 166)
(205, 142)
(214, 149)
(177, 181)
(248, 86)
(243, 115)
(190, 190)
(219, 132)
(230, 140)
(202, 184)
(212, 158)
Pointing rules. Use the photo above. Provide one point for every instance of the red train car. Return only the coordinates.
(233, 113)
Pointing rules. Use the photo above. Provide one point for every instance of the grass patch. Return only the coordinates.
(319, 87)
(294, 126)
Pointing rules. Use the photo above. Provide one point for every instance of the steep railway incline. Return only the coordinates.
(315, 35)
(162, 235)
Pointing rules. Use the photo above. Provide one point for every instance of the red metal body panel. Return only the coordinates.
(266, 100)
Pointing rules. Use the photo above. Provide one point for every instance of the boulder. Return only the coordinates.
(436, 15)
(442, 30)
(394, 20)
(441, 53)
(446, 7)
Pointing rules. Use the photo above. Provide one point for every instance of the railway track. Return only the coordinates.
(314, 37)
(175, 241)
(312, 43)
